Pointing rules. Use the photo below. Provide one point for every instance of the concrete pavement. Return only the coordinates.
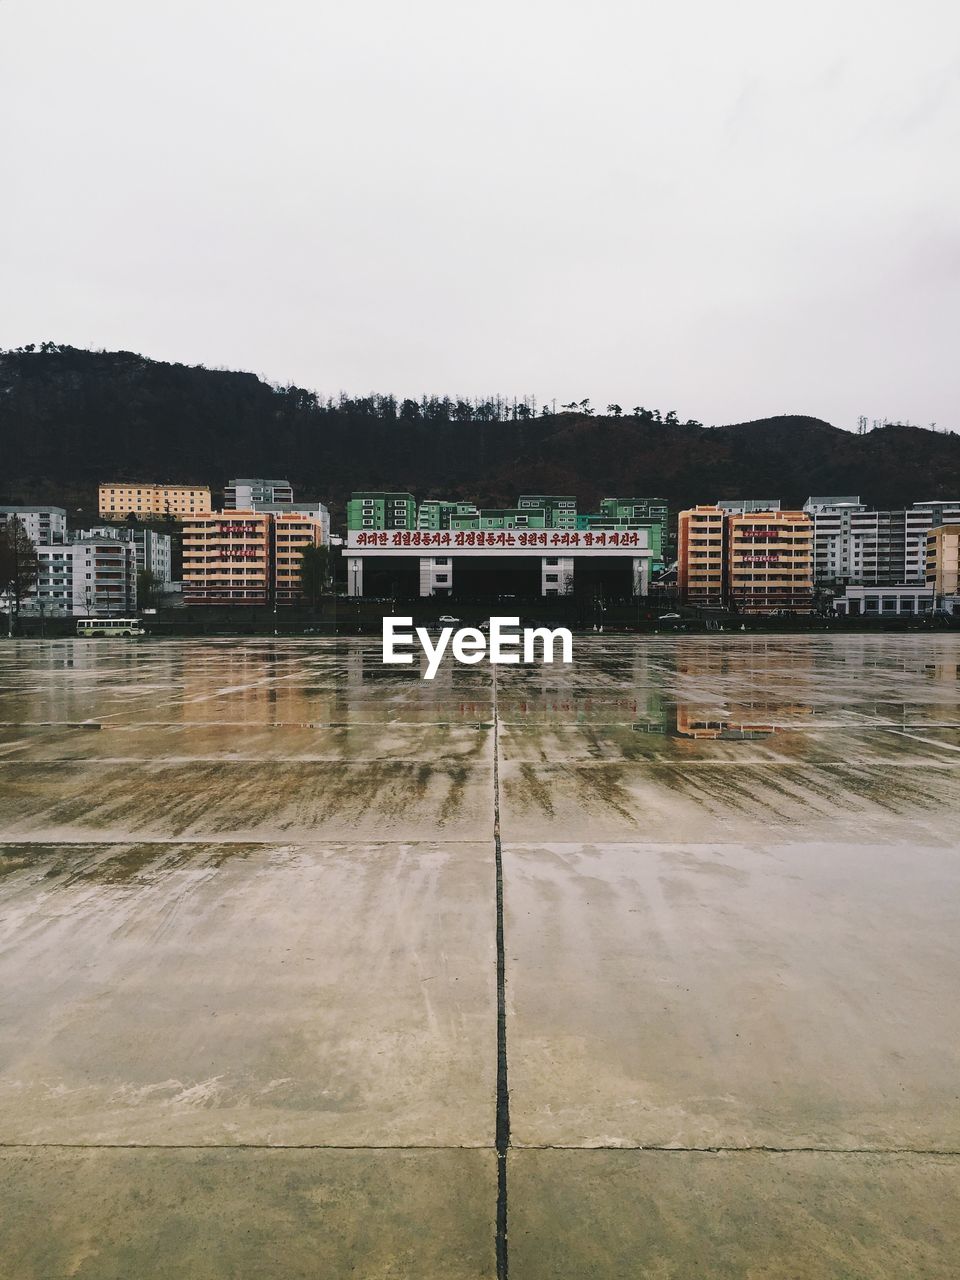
(248, 997)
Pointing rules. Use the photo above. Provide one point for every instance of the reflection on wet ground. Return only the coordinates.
(247, 930)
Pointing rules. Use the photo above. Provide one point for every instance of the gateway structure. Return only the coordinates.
(541, 546)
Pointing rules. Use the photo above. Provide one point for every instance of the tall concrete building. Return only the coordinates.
(375, 509)
(700, 556)
(943, 565)
(118, 500)
(833, 543)
(245, 557)
(43, 525)
(153, 549)
(240, 495)
(226, 558)
(856, 545)
(89, 577)
(293, 532)
(751, 557)
(769, 561)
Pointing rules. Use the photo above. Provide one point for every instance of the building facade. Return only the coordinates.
(943, 565)
(748, 556)
(884, 602)
(369, 509)
(293, 533)
(43, 525)
(541, 546)
(861, 546)
(242, 494)
(226, 558)
(116, 501)
(246, 557)
(89, 577)
(700, 556)
(153, 549)
(769, 562)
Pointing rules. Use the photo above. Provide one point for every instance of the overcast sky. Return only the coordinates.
(732, 209)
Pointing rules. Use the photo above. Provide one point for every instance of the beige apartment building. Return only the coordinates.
(943, 562)
(751, 561)
(245, 557)
(293, 532)
(770, 561)
(700, 556)
(227, 558)
(117, 501)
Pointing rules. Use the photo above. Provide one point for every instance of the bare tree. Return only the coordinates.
(19, 567)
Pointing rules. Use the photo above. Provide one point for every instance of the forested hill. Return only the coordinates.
(71, 418)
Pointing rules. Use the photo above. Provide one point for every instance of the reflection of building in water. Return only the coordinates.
(735, 690)
(692, 723)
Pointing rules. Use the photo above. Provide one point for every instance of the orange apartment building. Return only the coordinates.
(293, 532)
(754, 563)
(943, 563)
(117, 501)
(770, 561)
(245, 557)
(700, 556)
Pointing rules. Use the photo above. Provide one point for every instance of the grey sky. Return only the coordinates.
(729, 209)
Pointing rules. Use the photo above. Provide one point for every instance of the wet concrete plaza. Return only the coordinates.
(249, 961)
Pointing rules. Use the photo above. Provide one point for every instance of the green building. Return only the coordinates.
(378, 510)
(367, 511)
(632, 513)
(435, 513)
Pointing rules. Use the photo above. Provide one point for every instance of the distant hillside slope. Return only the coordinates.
(70, 418)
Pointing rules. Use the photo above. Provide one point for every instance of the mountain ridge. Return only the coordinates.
(71, 418)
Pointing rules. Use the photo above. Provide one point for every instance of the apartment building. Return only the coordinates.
(943, 565)
(246, 557)
(43, 525)
(769, 562)
(746, 555)
(861, 546)
(370, 509)
(227, 558)
(700, 556)
(293, 532)
(244, 493)
(833, 543)
(116, 501)
(153, 549)
(89, 577)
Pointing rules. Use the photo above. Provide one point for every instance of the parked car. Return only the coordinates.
(447, 618)
(669, 617)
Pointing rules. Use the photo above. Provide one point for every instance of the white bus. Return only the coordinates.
(110, 627)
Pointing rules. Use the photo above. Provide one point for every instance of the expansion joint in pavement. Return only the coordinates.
(503, 1094)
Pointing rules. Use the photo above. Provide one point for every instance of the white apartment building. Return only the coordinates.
(153, 549)
(91, 577)
(854, 544)
(42, 524)
(240, 495)
(833, 543)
